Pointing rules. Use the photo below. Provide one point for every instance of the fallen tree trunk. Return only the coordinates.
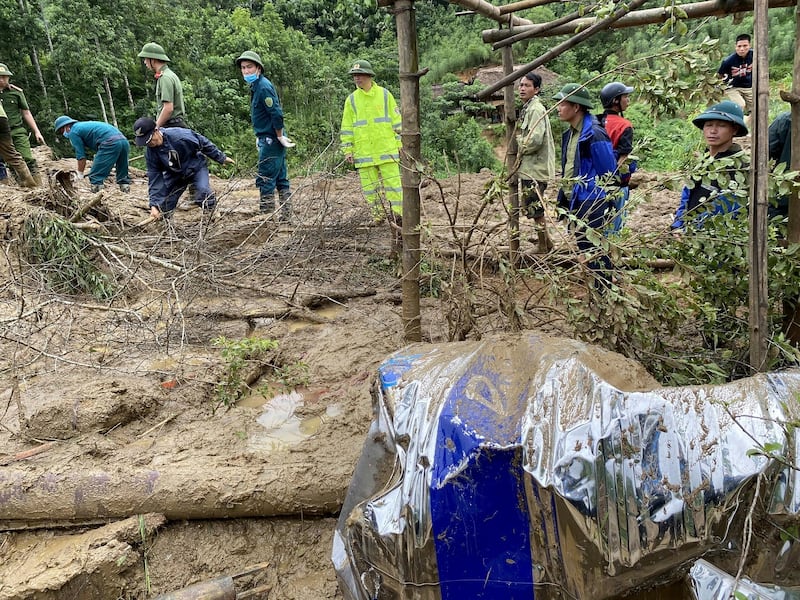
(176, 491)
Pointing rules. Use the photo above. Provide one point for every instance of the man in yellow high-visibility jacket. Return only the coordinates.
(370, 140)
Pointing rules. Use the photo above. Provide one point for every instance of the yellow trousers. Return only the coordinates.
(382, 188)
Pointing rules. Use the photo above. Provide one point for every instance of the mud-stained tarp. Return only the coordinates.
(708, 582)
(528, 465)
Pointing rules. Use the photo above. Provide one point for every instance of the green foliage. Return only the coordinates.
(453, 132)
(431, 275)
(691, 327)
(661, 143)
(238, 354)
(713, 265)
(286, 378)
(62, 253)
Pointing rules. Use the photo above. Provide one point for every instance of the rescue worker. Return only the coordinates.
(370, 140)
(737, 71)
(537, 154)
(615, 98)
(176, 158)
(780, 150)
(169, 90)
(266, 115)
(110, 147)
(710, 193)
(9, 154)
(19, 115)
(587, 158)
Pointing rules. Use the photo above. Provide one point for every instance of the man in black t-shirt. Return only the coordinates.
(737, 72)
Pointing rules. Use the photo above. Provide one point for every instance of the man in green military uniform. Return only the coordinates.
(19, 114)
(169, 90)
(10, 155)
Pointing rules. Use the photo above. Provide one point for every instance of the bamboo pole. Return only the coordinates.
(759, 171)
(696, 10)
(791, 307)
(534, 30)
(490, 11)
(523, 5)
(560, 49)
(511, 157)
(411, 154)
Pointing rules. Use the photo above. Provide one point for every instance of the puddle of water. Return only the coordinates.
(328, 311)
(282, 427)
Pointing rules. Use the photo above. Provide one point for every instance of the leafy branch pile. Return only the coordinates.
(63, 255)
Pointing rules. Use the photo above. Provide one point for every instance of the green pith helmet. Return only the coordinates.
(251, 56)
(153, 50)
(361, 67)
(4, 70)
(723, 111)
(575, 93)
(62, 122)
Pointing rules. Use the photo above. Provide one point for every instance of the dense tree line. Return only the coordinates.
(79, 58)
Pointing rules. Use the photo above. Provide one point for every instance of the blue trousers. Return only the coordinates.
(271, 166)
(617, 208)
(593, 215)
(203, 194)
(112, 152)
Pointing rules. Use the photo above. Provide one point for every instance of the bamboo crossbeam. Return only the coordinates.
(560, 49)
(535, 30)
(524, 4)
(490, 11)
(649, 16)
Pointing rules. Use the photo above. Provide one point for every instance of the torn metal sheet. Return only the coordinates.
(532, 466)
(708, 582)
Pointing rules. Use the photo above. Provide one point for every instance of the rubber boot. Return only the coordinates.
(285, 197)
(15, 161)
(266, 203)
(545, 243)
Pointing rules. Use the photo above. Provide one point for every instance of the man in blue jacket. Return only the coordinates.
(176, 158)
(714, 190)
(266, 115)
(588, 165)
(110, 147)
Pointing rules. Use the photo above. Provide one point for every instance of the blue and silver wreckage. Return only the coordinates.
(526, 466)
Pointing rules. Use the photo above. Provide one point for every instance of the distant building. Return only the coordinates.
(491, 75)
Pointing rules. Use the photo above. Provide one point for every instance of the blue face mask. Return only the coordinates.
(65, 134)
(251, 77)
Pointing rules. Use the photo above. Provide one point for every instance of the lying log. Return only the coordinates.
(175, 491)
(83, 565)
(226, 587)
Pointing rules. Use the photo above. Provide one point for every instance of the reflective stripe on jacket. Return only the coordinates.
(370, 128)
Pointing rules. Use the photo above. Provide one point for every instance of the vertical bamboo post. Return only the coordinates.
(758, 194)
(405, 19)
(510, 120)
(791, 307)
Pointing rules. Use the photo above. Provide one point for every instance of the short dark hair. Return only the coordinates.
(743, 36)
(534, 78)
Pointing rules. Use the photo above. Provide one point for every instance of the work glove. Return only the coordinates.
(286, 142)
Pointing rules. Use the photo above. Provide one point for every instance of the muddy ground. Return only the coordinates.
(124, 474)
